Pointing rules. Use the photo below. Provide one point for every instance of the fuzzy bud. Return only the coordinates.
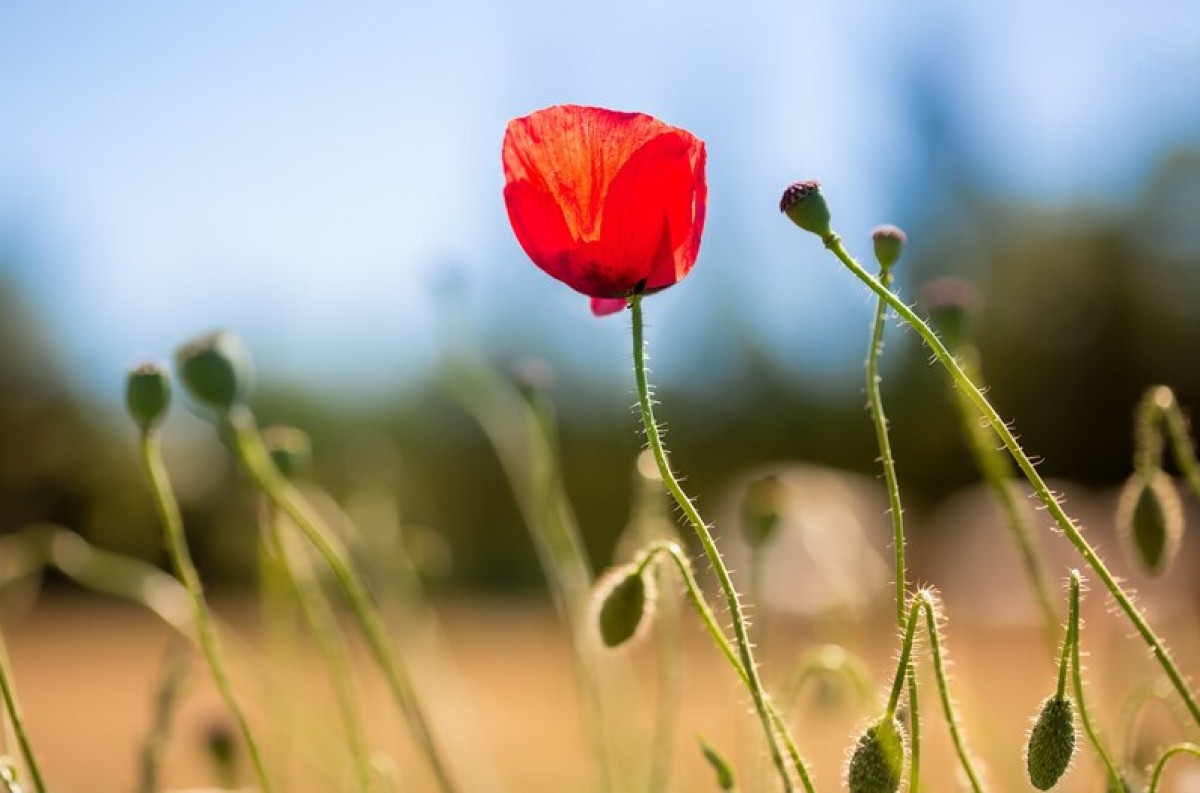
(216, 370)
(804, 204)
(624, 600)
(1051, 742)
(1150, 520)
(147, 395)
(889, 243)
(877, 764)
(290, 448)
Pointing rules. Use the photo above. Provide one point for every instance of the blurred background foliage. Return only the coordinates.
(1083, 307)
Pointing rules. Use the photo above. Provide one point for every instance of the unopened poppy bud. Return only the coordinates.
(216, 370)
(147, 395)
(221, 745)
(805, 205)
(762, 508)
(1051, 742)
(889, 243)
(877, 764)
(1150, 520)
(290, 448)
(625, 605)
(951, 302)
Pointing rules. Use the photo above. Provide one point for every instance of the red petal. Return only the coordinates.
(603, 306)
(654, 213)
(573, 153)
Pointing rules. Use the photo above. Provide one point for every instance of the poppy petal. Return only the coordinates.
(603, 306)
(654, 213)
(538, 223)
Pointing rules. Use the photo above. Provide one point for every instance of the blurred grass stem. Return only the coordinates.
(172, 523)
(17, 723)
(254, 457)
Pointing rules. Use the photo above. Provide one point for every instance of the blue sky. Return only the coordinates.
(307, 174)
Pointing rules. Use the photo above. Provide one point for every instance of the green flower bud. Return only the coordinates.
(720, 766)
(952, 303)
(889, 243)
(625, 599)
(1150, 520)
(877, 764)
(147, 395)
(216, 370)
(804, 204)
(1051, 742)
(762, 506)
(290, 448)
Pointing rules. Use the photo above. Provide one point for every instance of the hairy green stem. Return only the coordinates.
(181, 559)
(1110, 768)
(895, 507)
(745, 650)
(1182, 447)
(1179, 748)
(17, 722)
(1053, 506)
(692, 587)
(255, 458)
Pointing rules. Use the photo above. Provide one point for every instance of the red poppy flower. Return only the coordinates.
(608, 203)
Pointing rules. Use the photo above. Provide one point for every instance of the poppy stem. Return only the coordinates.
(771, 726)
(1110, 769)
(1053, 505)
(172, 525)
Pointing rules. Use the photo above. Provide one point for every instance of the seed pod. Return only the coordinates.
(1150, 520)
(147, 395)
(625, 605)
(889, 243)
(805, 206)
(877, 764)
(216, 370)
(1051, 742)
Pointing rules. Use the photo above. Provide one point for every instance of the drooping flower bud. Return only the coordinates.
(762, 507)
(216, 370)
(1051, 742)
(147, 395)
(889, 243)
(805, 205)
(1150, 520)
(951, 302)
(624, 605)
(877, 764)
(290, 448)
(720, 766)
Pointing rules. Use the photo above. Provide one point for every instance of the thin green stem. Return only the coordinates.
(895, 507)
(745, 650)
(17, 722)
(905, 662)
(886, 459)
(181, 559)
(1053, 506)
(1179, 748)
(257, 461)
(997, 473)
(830, 659)
(943, 685)
(1110, 768)
(296, 567)
(700, 605)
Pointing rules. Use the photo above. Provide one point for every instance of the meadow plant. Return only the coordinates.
(613, 205)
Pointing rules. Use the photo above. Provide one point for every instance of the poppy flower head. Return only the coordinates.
(609, 203)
